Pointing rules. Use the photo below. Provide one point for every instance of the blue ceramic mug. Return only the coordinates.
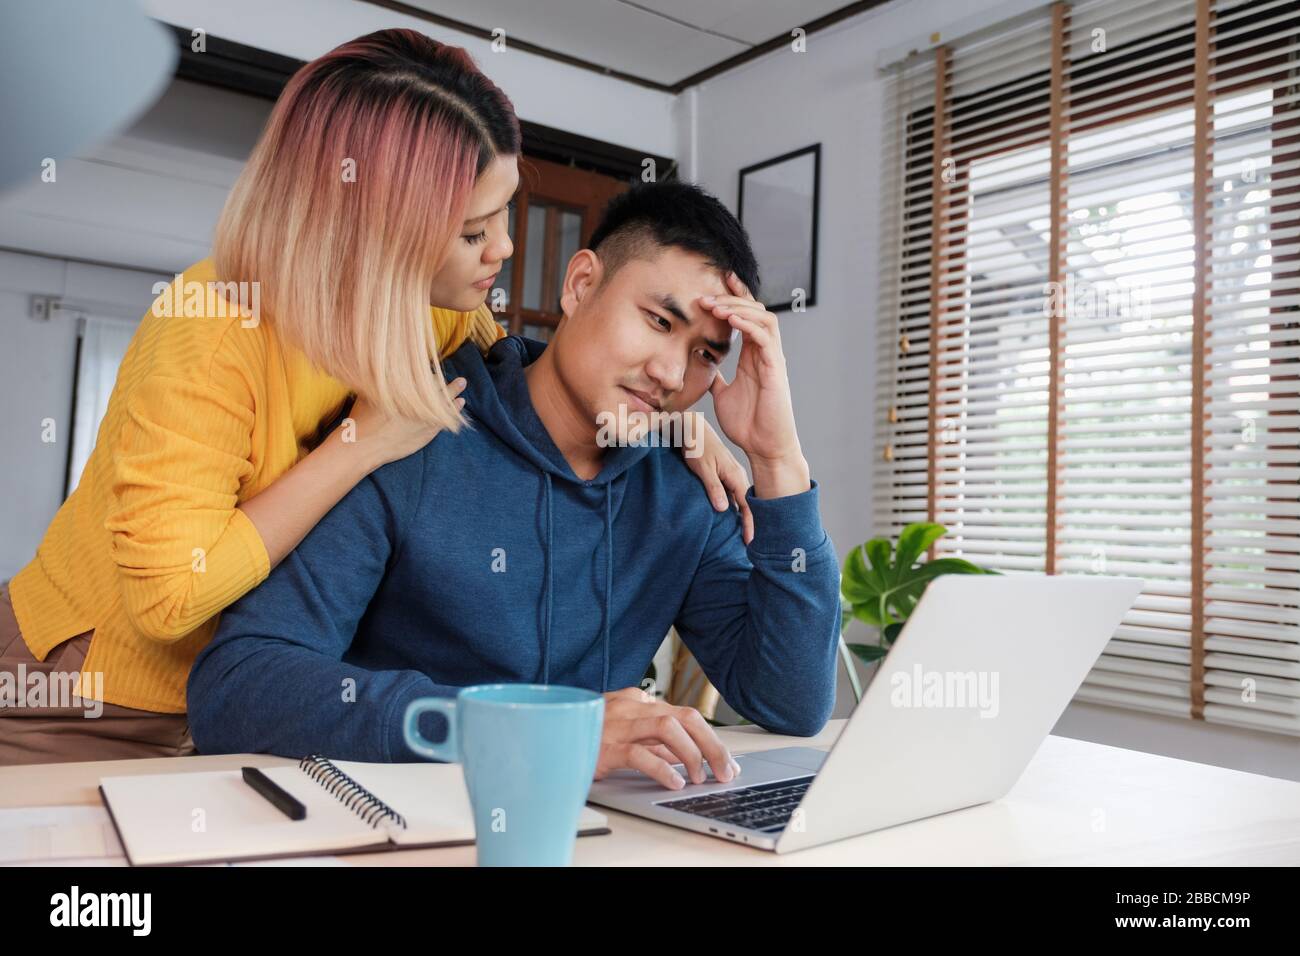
(529, 752)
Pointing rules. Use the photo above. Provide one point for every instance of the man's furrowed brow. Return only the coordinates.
(667, 302)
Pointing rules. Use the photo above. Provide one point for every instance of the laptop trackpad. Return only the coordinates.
(803, 758)
(770, 764)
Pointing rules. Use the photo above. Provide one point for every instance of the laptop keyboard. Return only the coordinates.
(766, 806)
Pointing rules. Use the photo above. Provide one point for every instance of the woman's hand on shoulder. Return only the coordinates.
(724, 478)
(382, 438)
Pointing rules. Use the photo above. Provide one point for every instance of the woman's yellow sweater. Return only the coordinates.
(150, 547)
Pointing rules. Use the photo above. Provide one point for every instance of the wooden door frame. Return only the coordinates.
(551, 183)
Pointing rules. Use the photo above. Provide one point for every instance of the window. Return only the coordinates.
(101, 345)
(554, 213)
(1090, 346)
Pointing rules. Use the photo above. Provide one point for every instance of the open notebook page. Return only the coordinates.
(433, 799)
(214, 815)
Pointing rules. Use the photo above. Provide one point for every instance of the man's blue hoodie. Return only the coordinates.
(483, 558)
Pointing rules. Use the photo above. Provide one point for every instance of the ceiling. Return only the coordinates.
(148, 198)
(662, 42)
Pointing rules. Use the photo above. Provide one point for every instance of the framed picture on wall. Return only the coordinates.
(778, 204)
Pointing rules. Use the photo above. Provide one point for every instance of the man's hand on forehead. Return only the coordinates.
(755, 409)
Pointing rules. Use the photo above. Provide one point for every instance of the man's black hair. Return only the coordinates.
(677, 214)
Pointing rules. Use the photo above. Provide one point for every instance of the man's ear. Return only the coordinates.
(581, 279)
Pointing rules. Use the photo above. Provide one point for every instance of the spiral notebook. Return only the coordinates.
(352, 807)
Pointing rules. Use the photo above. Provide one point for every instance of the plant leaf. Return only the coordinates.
(868, 652)
(855, 579)
(932, 569)
(867, 613)
(913, 541)
(878, 553)
(907, 596)
(882, 585)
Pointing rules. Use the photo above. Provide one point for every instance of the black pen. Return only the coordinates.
(278, 796)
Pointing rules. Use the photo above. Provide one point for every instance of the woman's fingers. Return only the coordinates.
(732, 491)
(717, 493)
(455, 387)
(737, 483)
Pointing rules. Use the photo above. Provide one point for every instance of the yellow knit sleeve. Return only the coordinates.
(183, 549)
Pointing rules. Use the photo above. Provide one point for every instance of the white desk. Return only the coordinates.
(1077, 803)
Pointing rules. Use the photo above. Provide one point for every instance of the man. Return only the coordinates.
(588, 546)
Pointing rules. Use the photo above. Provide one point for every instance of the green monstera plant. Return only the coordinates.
(880, 585)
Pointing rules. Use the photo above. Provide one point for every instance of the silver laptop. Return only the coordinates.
(972, 686)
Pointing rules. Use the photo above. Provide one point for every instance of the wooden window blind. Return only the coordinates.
(1089, 329)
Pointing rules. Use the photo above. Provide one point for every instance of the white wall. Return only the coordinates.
(36, 371)
(832, 94)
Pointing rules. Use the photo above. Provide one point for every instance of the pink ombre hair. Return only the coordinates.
(349, 202)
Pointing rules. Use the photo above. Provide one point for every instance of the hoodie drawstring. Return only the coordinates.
(546, 645)
(609, 582)
(609, 577)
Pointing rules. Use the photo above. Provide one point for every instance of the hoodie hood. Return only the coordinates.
(497, 398)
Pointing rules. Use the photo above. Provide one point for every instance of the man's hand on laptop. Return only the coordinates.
(649, 735)
(754, 409)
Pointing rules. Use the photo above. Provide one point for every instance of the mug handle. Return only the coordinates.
(445, 751)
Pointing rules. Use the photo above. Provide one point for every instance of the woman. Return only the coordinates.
(380, 184)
